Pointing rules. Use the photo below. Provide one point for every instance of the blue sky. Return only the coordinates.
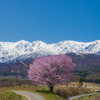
(50, 21)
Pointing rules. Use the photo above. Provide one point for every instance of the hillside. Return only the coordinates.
(17, 68)
(86, 65)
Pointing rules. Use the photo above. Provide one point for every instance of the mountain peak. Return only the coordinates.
(12, 50)
(22, 41)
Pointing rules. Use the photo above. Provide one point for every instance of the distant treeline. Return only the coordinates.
(92, 80)
(7, 73)
(85, 79)
(14, 82)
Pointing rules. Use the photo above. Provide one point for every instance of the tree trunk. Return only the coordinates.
(51, 88)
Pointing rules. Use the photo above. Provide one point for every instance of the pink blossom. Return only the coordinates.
(51, 70)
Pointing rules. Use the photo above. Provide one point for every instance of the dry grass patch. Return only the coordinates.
(97, 98)
(71, 91)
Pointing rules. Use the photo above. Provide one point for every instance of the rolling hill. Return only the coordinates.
(85, 65)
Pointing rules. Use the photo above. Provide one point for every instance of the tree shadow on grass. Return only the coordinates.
(45, 91)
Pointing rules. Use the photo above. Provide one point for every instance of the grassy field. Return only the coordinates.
(44, 92)
(92, 86)
(8, 95)
(60, 91)
(95, 87)
(92, 97)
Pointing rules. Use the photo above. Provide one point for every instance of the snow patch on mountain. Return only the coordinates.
(10, 51)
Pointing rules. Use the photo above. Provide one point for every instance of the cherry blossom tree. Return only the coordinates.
(51, 70)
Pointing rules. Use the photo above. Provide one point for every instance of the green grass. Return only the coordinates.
(43, 91)
(48, 95)
(88, 97)
(8, 95)
(60, 91)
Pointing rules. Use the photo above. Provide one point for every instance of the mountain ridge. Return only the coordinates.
(9, 51)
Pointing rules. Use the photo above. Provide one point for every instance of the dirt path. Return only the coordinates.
(29, 95)
(71, 98)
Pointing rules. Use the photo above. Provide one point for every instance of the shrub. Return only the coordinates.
(62, 92)
(80, 82)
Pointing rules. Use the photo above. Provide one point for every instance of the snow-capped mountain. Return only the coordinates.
(10, 51)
